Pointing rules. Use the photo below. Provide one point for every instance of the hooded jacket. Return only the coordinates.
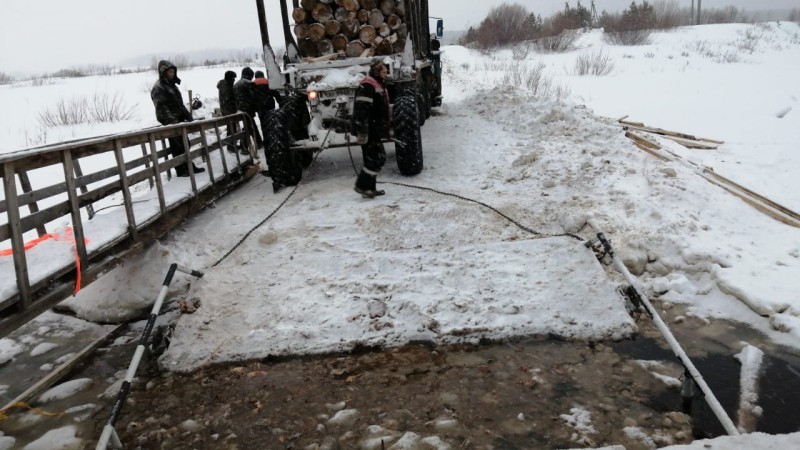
(167, 98)
(245, 92)
(227, 99)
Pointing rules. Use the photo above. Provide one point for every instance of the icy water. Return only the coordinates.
(519, 395)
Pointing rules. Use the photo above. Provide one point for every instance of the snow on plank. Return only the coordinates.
(332, 301)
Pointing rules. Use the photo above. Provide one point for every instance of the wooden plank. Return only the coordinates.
(82, 187)
(61, 371)
(74, 209)
(162, 206)
(627, 122)
(15, 228)
(688, 143)
(33, 207)
(206, 155)
(663, 132)
(189, 163)
(757, 201)
(147, 164)
(126, 189)
(221, 151)
(788, 213)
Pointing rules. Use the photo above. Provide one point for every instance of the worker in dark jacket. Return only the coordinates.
(227, 102)
(244, 91)
(170, 110)
(265, 99)
(371, 123)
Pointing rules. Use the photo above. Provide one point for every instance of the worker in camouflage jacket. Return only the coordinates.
(245, 93)
(371, 123)
(170, 110)
(227, 102)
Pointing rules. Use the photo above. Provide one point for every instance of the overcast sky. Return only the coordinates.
(45, 35)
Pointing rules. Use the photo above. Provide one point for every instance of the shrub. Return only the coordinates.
(505, 24)
(794, 15)
(637, 37)
(69, 73)
(729, 14)
(532, 78)
(630, 28)
(669, 15)
(558, 43)
(37, 138)
(593, 63)
(5, 78)
(110, 108)
(65, 112)
(102, 108)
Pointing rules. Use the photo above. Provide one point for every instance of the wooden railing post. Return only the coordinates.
(75, 210)
(17, 244)
(162, 204)
(221, 150)
(125, 185)
(189, 163)
(204, 140)
(147, 164)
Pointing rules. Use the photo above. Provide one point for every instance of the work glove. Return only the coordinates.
(362, 139)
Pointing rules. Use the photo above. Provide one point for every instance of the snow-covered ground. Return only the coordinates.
(331, 271)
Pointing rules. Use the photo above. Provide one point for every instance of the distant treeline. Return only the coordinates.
(513, 23)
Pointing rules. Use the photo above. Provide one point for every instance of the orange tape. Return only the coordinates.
(29, 245)
(68, 236)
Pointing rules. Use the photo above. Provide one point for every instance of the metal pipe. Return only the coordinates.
(712, 401)
(109, 434)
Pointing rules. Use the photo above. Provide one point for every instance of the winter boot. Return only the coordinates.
(365, 184)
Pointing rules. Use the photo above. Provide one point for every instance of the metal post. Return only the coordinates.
(691, 370)
(109, 433)
(191, 113)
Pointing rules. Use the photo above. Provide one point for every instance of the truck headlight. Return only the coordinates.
(313, 98)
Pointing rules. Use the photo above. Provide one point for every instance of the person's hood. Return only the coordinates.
(165, 65)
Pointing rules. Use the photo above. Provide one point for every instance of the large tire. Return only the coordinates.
(282, 166)
(299, 118)
(405, 121)
(298, 115)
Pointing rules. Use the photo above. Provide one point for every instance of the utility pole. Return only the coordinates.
(692, 18)
(699, 11)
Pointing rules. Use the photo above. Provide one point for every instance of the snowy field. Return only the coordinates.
(333, 271)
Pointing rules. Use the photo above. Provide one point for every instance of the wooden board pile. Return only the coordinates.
(351, 27)
(686, 140)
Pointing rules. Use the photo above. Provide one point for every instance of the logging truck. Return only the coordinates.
(329, 46)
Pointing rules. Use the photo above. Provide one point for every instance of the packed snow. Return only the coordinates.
(332, 271)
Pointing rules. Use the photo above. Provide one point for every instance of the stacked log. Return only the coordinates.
(350, 27)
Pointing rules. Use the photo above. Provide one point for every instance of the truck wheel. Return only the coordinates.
(306, 158)
(405, 121)
(282, 167)
(298, 116)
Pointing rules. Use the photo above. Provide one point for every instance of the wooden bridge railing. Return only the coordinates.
(47, 187)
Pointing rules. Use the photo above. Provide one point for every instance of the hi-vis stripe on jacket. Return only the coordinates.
(371, 111)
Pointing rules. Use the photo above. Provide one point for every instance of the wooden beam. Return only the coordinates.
(61, 371)
(75, 210)
(15, 228)
(33, 207)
